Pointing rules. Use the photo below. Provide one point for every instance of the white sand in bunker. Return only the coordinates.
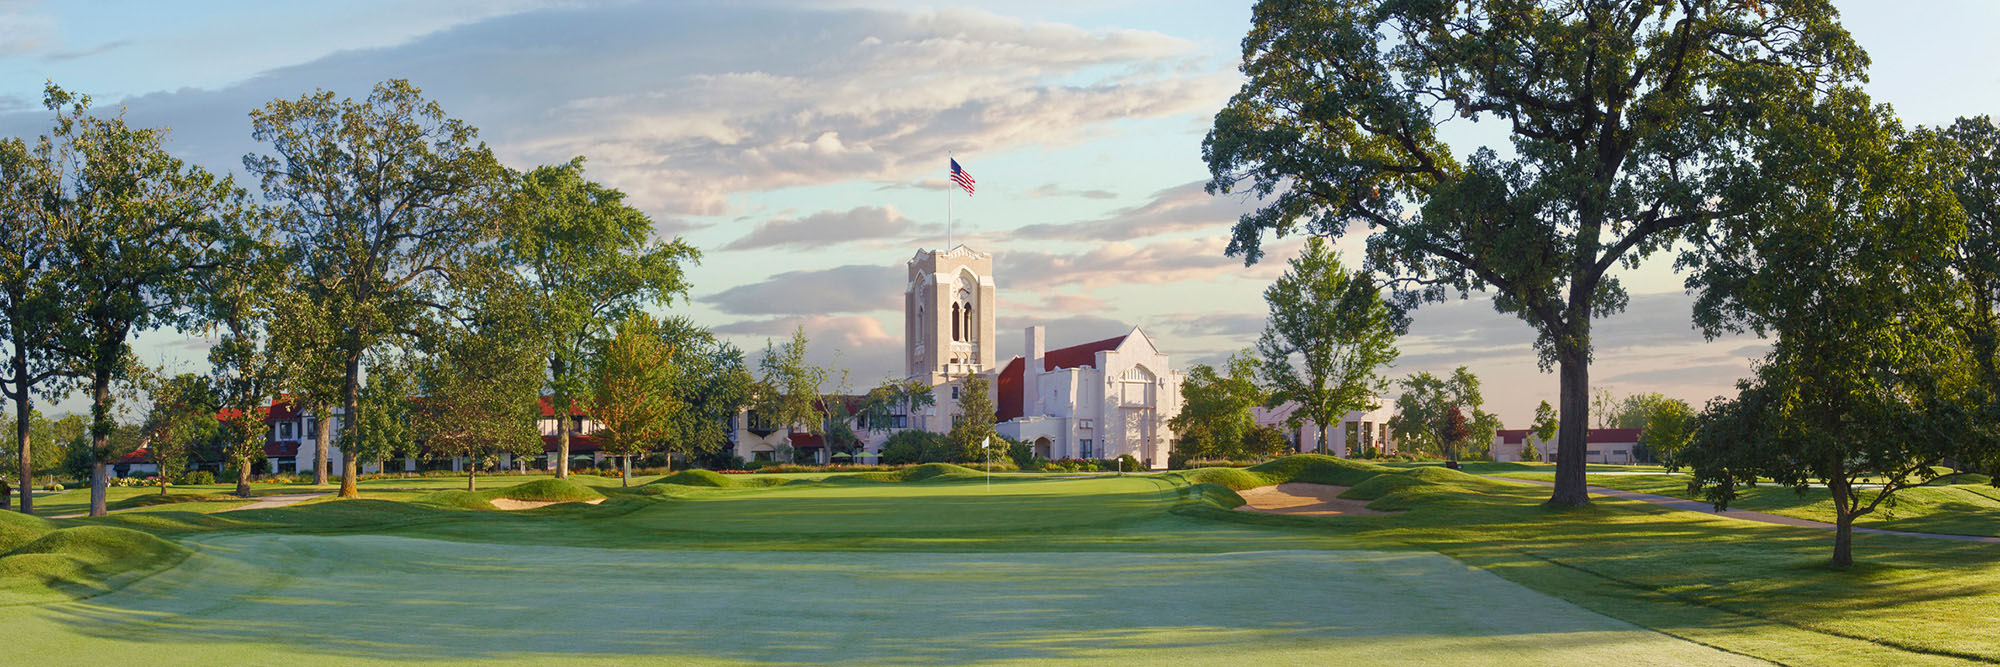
(512, 504)
(1303, 498)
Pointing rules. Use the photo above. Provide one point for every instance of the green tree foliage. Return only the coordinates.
(136, 227)
(181, 421)
(1977, 258)
(1215, 420)
(632, 396)
(1668, 427)
(1847, 265)
(1423, 419)
(973, 426)
(1262, 441)
(54, 436)
(380, 246)
(31, 313)
(788, 388)
(383, 429)
(1544, 430)
(918, 446)
(591, 260)
(711, 383)
(882, 404)
(1611, 112)
(1329, 336)
(480, 387)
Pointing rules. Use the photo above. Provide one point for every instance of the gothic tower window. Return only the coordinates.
(954, 322)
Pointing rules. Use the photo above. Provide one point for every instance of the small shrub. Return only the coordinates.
(198, 477)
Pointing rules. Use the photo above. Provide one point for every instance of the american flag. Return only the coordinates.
(962, 177)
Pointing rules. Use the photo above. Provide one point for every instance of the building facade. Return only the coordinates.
(1098, 400)
(1617, 446)
(1354, 433)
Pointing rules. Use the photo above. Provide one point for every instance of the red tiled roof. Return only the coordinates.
(547, 404)
(1079, 355)
(141, 455)
(807, 441)
(577, 443)
(1514, 436)
(281, 449)
(1010, 387)
(281, 410)
(1612, 435)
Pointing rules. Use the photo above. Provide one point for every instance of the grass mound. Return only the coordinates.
(1317, 469)
(1234, 479)
(76, 561)
(930, 471)
(546, 491)
(697, 477)
(460, 499)
(17, 529)
(1390, 488)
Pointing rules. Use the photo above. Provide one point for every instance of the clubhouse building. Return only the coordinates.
(1096, 400)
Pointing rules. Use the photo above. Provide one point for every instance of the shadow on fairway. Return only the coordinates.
(253, 597)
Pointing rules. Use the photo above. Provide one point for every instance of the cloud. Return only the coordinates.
(1239, 327)
(1062, 331)
(672, 109)
(854, 288)
(1120, 263)
(1054, 303)
(859, 345)
(828, 228)
(1054, 190)
(58, 56)
(1177, 209)
(1718, 374)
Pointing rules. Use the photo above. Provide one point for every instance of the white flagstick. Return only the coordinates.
(988, 446)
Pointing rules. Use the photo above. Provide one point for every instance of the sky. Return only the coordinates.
(802, 147)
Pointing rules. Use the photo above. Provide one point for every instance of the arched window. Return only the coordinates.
(954, 322)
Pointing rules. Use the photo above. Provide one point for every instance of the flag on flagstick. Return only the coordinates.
(962, 177)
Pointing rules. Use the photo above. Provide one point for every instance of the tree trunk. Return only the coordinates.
(625, 476)
(1573, 417)
(350, 401)
(97, 483)
(24, 410)
(243, 478)
(562, 439)
(1843, 540)
(471, 479)
(322, 442)
(100, 436)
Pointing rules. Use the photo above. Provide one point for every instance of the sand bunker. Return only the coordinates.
(512, 504)
(1304, 499)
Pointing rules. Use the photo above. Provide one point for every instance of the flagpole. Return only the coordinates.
(947, 207)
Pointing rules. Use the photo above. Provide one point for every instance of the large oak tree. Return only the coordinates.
(386, 201)
(591, 260)
(1613, 112)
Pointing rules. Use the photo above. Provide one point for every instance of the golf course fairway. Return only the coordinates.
(931, 565)
(264, 598)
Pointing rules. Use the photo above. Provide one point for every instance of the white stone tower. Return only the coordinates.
(948, 309)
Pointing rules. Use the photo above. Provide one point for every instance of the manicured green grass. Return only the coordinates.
(1956, 509)
(862, 568)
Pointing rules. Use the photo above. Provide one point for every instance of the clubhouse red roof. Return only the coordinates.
(1009, 384)
(1515, 436)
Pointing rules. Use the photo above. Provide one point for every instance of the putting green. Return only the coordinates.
(264, 598)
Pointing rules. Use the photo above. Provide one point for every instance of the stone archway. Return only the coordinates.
(1042, 447)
